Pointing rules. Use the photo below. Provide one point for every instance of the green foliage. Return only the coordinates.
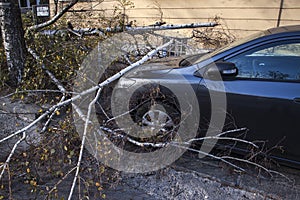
(44, 165)
(62, 56)
(58, 151)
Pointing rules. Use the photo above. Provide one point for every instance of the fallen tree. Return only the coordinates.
(47, 116)
(85, 117)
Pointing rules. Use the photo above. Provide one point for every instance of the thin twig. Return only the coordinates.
(57, 83)
(91, 105)
(9, 183)
(222, 138)
(59, 182)
(270, 172)
(209, 155)
(11, 154)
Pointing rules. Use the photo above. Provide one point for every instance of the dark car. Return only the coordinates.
(260, 76)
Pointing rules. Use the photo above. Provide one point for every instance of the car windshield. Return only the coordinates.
(229, 46)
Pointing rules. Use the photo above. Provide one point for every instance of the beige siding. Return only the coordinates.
(241, 16)
(245, 15)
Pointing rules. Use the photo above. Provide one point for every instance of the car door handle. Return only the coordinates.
(297, 100)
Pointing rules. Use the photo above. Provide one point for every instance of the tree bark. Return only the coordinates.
(13, 39)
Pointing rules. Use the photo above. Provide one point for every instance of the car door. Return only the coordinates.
(264, 97)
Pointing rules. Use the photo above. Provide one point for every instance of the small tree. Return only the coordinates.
(124, 5)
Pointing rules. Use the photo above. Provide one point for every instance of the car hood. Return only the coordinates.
(163, 65)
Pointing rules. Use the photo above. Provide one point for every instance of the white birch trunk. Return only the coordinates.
(102, 31)
(13, 39)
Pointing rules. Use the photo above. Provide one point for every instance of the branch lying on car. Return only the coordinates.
(68, 101)
(88, 91)
(106, 82)
(85, 118)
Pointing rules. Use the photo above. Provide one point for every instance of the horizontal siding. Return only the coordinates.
(208, 3)
(291, 3)
(241, 16)
(209, 13)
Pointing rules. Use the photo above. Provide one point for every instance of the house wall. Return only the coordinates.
(242, 17)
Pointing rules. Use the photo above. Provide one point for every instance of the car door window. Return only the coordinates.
(277, 61)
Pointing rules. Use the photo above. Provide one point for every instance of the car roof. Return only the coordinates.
(283, 29)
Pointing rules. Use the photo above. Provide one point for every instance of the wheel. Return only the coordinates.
(159, 121)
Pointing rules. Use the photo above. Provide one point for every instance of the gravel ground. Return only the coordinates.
(14, 116)
(187, 185)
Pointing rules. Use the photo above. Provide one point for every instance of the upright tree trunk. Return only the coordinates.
(13, 39)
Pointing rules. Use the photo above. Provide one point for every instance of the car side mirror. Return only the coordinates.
(217, 70)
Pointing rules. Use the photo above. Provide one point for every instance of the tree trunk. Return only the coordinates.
(13, 39)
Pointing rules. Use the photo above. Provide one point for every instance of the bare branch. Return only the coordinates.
(57, 83)
(232, 131)
(256, 165)
(11, 154)
(74, 32)
(209, 155)
(53, 78)
(185, 145)
(92, 103)
(79, 112)
(222, 138)
(36, 91)
(169, 27)
(59, 182)
(102, 31)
